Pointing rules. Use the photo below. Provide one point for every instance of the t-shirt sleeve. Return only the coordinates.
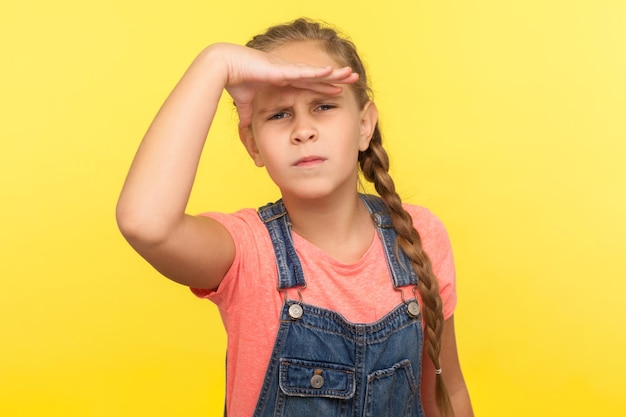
(248, 235)
(437, 245)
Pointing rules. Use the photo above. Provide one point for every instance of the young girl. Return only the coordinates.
(330, 298)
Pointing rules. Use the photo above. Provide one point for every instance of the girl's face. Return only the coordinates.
(308, 142)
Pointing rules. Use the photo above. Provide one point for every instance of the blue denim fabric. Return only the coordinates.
(323, 365)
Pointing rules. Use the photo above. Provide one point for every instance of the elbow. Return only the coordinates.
(140, 228)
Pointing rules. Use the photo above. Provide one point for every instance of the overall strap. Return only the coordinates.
(290, 273)
(276, 219)
(402, 272)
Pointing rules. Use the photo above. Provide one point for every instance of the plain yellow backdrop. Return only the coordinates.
(506, 118)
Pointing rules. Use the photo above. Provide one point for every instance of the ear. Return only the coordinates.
(369, 118)
(247, 138)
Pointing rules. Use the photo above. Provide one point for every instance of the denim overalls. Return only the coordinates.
(325, 366)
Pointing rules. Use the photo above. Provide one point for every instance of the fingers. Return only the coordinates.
(343, 75)
(318, 87)
(301, 74)
(326, 80)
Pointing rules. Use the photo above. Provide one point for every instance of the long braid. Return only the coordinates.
(374, 164)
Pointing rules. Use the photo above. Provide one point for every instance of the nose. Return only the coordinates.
(304, 130)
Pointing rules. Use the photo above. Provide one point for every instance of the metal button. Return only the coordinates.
(413, 309)
(317, 380)
(295, 311)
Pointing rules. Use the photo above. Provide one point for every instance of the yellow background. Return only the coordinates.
(506, 118)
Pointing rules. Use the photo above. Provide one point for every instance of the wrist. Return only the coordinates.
(212, 61)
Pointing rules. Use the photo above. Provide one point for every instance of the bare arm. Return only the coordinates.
(151, 209)
(453, 377)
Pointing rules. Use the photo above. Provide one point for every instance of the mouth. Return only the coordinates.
(309, 161)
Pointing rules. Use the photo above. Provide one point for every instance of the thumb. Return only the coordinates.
(245, 114)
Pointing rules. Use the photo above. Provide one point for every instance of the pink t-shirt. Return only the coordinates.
(250, 304)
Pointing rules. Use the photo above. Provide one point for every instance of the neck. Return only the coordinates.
(340, 225)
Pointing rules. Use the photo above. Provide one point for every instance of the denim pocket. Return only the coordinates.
(392, 391)
(314, 389)
(316, 379)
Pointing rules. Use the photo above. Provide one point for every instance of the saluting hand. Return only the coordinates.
(249, 69)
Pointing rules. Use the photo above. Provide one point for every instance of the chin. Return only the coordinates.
(312, 193)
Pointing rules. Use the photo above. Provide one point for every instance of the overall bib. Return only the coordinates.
(324, 366)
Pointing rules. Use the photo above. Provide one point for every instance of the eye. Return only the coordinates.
(325, 107)
(279, 115)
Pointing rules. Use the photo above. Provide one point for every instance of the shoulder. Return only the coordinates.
(242, 225)
(243, 216)
(437, 245)
(246, 228)
(432, 232)
(426, 222)
(252, 247)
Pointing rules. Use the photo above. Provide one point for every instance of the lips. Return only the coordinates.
(309, 161)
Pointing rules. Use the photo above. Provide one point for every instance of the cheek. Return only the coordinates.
(269, 151)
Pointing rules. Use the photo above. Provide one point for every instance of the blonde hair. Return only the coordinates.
(374, 164)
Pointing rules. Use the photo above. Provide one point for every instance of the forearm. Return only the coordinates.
(160, 179)
(461, 403)
(452, 374)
